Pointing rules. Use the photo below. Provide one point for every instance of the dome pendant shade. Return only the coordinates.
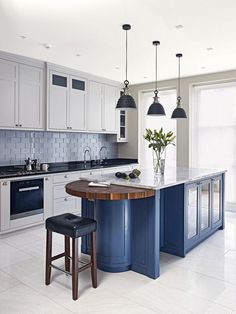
(126, 101)
(179, 112)
(156, 108)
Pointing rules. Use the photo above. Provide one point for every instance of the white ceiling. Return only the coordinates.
(92, 28)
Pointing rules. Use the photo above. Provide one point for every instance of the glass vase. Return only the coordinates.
(159, 162)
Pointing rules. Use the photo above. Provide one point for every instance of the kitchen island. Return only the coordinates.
(186, 208)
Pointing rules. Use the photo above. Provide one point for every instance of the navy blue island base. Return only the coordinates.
(131, 233)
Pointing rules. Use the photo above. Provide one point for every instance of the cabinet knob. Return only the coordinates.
(5, 183)
(20, 125)
(46, 179)
(17, 124)
(65, 176)
(66, 199)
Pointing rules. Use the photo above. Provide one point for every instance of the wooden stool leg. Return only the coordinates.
(67, 253)
(48, 257)
(75, 266)
(93, 260)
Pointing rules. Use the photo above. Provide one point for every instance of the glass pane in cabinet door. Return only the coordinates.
(205, 206)
(192, 212)
(216, 200)
(122, 120)
(122, 132)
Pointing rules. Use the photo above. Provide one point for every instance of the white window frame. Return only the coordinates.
(140, 120)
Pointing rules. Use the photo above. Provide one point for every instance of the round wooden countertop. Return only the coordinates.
(113, 192)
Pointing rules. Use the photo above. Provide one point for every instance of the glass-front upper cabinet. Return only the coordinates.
(192, 211)
(205, 205)
(216, 200)
(122, 126)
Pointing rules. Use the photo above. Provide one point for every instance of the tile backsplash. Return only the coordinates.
(16, 146)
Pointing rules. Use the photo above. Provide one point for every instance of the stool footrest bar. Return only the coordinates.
(85, 267)
(53, 258)
(60, 269)
(67, 272)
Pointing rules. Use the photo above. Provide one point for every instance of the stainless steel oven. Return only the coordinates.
(26, 198)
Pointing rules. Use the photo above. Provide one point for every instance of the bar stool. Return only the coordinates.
(71, 226)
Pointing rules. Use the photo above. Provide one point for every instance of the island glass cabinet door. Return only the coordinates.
(192, 212)
(205, 206)
(216, 201)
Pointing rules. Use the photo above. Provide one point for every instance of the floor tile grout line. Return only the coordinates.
(45, 296)
(9, 288)
(210, 276)
(187, 293)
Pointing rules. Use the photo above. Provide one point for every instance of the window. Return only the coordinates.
(214, 132)
(168, 100)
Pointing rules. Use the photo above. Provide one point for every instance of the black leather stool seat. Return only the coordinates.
(71, 225)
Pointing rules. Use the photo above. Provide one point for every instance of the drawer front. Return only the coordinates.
(66, 177)
(65, 205)
(59, 191)
(90, 173)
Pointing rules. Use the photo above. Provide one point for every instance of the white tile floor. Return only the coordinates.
(202, 282)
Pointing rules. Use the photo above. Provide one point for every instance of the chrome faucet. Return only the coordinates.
(87, 150)
(100, 154)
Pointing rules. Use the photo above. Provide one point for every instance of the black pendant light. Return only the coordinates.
(156, 108)
(179, 112)
(126, 101)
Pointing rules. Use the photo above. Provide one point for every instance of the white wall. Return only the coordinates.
(130, 149)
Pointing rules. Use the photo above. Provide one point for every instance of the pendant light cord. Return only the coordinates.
(126, 57)
(179, 79)
(156, 92)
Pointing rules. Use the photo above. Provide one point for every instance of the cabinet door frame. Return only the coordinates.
(109, 105)
(40, 125)
(119, 138)
(189, 242)
(15, 81)
(218, 222)
(89, 106)
(71, 77)
(206, 230)
(5, 206)
(49, 86)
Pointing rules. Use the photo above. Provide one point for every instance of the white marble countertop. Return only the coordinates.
(173, 176)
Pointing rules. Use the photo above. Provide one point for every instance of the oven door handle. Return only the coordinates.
(31, 188)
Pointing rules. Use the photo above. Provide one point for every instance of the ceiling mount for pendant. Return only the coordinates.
(126, 27)
(126, 101)
(179, 112)
(156, 108)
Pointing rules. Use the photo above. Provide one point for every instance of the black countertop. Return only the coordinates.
(57, 167)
